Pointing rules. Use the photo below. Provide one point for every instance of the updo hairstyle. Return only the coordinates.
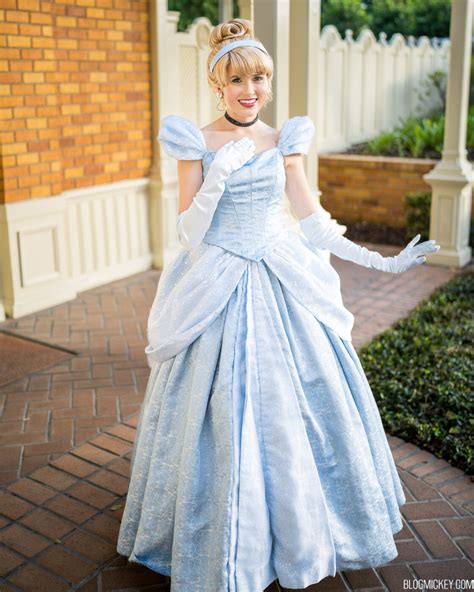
(245, 60)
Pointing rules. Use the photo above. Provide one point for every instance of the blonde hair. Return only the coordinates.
(244, 61)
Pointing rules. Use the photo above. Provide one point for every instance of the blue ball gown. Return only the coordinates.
(260, 451)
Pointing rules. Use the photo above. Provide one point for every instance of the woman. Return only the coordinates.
(260, 452)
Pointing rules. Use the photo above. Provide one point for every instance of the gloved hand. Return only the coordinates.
(194, 222)
(322, 234)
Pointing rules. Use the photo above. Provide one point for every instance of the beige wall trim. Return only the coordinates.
(52, 248)
(451, 179)
(179, 81)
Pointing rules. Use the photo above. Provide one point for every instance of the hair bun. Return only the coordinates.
(230, 31)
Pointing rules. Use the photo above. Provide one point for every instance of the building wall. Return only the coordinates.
(75, 96)
(371, 188)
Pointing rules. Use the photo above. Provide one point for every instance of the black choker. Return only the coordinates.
(235, 122)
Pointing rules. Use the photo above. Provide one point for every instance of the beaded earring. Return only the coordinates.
(268, 97)
(220, 95)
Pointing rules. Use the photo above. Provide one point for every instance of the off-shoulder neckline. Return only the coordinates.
(203, 141)
(207, 151)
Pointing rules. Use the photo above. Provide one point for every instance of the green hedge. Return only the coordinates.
(192, 9)
(420, 371)
(408, 17)
(417, 206)
(417, 137)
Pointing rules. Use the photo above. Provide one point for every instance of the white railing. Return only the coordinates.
(365, 85)
(188, 93)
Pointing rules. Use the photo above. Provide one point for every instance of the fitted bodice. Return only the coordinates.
(250, 216)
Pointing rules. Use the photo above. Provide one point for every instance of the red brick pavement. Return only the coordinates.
(46, 413)
(59, 524)
(66, 471)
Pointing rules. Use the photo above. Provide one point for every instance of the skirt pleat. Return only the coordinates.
(260, 453)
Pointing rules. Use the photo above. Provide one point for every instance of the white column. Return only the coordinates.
(271, 27)
(304, 54)
(246, 9)
(304, 79)
(164, 67)
(225, 10)
(451, 178)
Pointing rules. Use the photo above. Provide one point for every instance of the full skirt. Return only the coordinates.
(260, 453)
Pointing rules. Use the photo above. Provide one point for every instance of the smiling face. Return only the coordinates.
(245, 95)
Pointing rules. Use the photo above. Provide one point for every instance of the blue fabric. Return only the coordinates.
(260, 451)
(183, 140)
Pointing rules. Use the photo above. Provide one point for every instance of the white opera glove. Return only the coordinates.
(194, 222)
(322, 234)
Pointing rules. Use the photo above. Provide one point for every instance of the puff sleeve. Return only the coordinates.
(181, 138)
(296, 135)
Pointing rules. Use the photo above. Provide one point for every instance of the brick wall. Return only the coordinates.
(370, 188)
(74, 95)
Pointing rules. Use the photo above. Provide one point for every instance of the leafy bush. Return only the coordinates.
(417, 137)
(432, 18)
(420, 372)
(471, 83)
(344, 14)
(392, 16)
(435, 85)
(408, 17)
(192, 9)
(417, 214)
